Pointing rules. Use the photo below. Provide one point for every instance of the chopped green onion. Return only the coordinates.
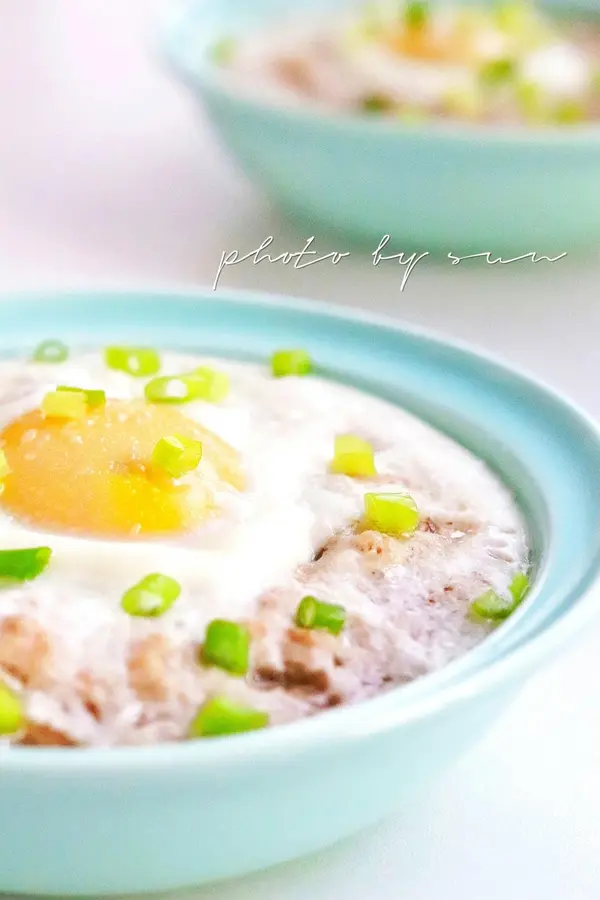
(569, 112)
(223, 51)
(138, 361)
(353, 456)
(171, 389)
(201, 384)
(376, 103)
(515, 16)
(64, 404)
(497, 71)
(51, 352)
(152, 596)
(11, 711)
(464, 102)
(211, 385)
(519, 587)
(93, 398)
(416, 14)
(531, 101)
(313, 613)
(4, 466)
(220, 716)
(227, 645)
(491, 606)
(412, 115)
(24, 565)
(177, 455)
(290, 362)
(393, 514)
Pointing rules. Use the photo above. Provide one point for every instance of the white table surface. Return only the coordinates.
(107, 176)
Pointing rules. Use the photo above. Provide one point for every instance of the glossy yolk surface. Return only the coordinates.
(92, 476)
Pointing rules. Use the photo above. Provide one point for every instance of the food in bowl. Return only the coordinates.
(502, 64)
(194, 547)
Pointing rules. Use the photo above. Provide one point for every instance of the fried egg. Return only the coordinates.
(85, 487)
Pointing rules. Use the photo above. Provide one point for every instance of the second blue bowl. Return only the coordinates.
(437, 188)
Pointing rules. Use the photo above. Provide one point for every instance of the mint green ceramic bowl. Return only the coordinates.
(435, 188)
(148, 819)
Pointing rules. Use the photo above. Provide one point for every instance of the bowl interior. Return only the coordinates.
(195, 27)
(542, 447)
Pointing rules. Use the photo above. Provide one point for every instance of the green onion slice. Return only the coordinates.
(290, 362)
(497, 71)
(517, 17)
(211, 385)
(171, 389)
(416, 14)
(12, 716)
(393, 514)
(569, 112)
(313, 613)
(466, 101)
(531, 101)
(137, 361)
(491, 606)
(353, 456)
(93, 398)
(201, 384)
(519, 587)
(65, 404)
(220, 716)
(376, 103)
(177, 455)
(24, 565)
(227, 646)
(412, 115)
(151, 597)
(51, 352)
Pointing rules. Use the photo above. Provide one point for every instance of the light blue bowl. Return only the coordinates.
(154, 818)
(432, 187)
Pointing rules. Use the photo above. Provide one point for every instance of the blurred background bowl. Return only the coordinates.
(435, 186)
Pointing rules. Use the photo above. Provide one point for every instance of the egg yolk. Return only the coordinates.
(459, 45)
(92, 476)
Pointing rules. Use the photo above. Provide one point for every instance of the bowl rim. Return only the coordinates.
(353, 721)
(172, 35)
